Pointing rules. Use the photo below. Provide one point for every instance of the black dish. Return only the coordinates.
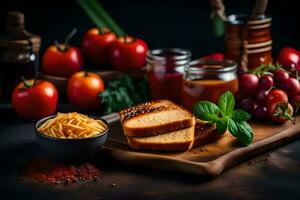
(70, 150)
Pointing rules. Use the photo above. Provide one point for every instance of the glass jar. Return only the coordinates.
(248, 41)
(165, 72)
(18, 54)
(208, 80)
(257, 44)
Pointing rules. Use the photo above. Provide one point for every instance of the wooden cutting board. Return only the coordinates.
(210, 159)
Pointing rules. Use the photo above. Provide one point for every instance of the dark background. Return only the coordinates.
(162, 23)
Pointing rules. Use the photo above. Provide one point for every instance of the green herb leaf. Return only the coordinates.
(240, 115)
(232, 120)
(232, 127)
(122, 93)
(206, 111)
(226, 104)
(242, 131)
(222, 125)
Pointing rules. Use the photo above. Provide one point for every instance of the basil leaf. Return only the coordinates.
(206, 111)
(232, 127)
(242, 131)
(222, 126)
(240, 115)
(226, 104)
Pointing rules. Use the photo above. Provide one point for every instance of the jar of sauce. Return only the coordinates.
(18, 54)
(208, 80)
(248, 41)
(165, 72)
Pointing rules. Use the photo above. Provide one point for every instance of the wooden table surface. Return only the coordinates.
(275, 175)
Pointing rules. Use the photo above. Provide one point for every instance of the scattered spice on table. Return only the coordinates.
(265, 158)
(48, 172)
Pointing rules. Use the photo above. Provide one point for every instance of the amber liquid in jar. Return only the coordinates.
(208, 90)
(207, 82)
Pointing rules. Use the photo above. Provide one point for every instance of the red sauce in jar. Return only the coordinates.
(165, 73)
(165, 86)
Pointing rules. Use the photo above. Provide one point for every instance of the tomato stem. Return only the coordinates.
(86, 73)
(101, 31)
(282, 111)
(126, 39)
(265, 69)
(289, 117)
(71, 34)
(58, 45)
(25, 82)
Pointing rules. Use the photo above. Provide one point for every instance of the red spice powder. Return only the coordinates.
(47, 172)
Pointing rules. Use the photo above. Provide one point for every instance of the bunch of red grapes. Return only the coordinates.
(269, 95)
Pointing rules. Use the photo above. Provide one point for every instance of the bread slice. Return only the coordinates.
(180, 140)
(155, 118)
(205, 133)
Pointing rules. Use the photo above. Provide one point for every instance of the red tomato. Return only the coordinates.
(281, 112)
(62, 61)
(248, 84)
(128, 53)
(275, 96)
(34, 100)
(83, 90)
(95, 45)
(289, 58)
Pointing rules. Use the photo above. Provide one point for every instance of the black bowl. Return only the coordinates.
(62, 149)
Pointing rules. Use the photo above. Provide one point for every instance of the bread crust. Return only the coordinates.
(183, 146)
(147, 108)
(161, 129)
(205, 133)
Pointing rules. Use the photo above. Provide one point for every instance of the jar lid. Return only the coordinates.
(213, 66)
(237, 19)
(176, 56)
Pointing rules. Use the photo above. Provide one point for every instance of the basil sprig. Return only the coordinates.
(226, 118)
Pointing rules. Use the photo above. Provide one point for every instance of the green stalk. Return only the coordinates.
(93, 15)
(93, 6)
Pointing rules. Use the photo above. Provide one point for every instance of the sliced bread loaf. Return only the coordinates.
(155, 118)
(180, 140)
(205, 133)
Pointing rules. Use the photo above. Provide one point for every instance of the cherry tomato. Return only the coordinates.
(291, 86)
(275, 96)
(95, 45)
(281, 112)
(266, 82)
(261, 97)
(280, 76)
(83, 90)
(289, 58)
(249, 105)
(128, 53)
(62, 60)
(34, 99)
(261, 112)
(248, 84)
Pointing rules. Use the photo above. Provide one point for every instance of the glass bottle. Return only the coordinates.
(18, 54)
